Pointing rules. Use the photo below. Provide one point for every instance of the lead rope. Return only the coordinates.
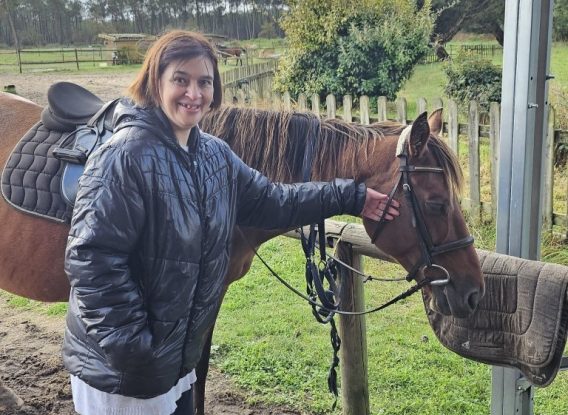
(316, 276)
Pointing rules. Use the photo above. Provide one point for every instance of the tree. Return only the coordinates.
(7, 6)
(336, 48)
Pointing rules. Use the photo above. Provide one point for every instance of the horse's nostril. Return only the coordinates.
(473, 300)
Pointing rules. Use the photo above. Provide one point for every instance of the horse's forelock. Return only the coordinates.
(449, 163)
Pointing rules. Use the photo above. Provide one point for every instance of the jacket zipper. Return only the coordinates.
(200, 207)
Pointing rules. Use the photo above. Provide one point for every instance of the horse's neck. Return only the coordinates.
(374, 164)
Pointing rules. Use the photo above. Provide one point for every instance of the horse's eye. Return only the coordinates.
(436, 208)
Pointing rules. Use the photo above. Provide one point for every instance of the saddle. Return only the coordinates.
(42, 173)
(521, 322)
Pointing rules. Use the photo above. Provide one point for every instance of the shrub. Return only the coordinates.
(560, 20)
(339, 49)
(473, 78)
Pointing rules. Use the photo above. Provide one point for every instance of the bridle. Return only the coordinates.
(428, 249)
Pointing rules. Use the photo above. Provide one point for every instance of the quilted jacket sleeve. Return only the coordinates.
(107, 220)
(271, 205)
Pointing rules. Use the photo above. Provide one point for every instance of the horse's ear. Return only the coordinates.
(435, 122)
(419, 135)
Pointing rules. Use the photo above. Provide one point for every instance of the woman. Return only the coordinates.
(150, 236)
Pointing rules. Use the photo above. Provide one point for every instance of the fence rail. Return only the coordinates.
(453, 51)
(74, 57)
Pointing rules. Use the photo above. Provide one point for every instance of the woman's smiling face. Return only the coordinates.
(186, 92)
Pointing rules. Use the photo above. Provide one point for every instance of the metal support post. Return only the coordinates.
(524, 112)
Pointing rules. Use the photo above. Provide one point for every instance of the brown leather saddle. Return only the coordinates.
(521, 322)
(41, 175)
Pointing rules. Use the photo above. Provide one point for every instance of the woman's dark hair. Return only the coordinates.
(173, 46)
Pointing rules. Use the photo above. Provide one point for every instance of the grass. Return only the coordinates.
(50, 309)
(267, 340)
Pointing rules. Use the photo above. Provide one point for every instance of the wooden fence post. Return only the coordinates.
(364, 109)
(473, 135)
(494, 126)
(331, 106)
(77, 58)
(276, 102)
(287, 101)
(382, 108)
(453, 127)
(302, 102)
(316, 104)
(437, 103)
(421, 106)
(353, 333)
(401, 110)
(548, 169)
(347, 108)
(19, 59)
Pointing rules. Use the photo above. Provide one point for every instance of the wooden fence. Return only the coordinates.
(46, 58)
(480, 49)
(242, 83)
(468, 138)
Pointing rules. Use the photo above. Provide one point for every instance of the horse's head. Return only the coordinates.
(430, 238)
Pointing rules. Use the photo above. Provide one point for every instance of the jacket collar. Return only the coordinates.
(194, 133)
(127, 111)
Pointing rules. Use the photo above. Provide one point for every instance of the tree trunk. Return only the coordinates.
(497, 31)
(11, 23)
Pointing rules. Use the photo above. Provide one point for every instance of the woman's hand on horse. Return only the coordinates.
(375, 204)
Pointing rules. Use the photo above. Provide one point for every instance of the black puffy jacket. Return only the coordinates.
(149, 247)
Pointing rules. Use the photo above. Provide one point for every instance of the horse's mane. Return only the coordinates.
(275, 142)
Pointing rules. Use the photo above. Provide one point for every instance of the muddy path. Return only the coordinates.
(30, 365)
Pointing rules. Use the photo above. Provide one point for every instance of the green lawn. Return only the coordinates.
(428, 80)
(268, 341)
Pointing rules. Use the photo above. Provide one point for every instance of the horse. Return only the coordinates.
(226, 52)
(429, 238)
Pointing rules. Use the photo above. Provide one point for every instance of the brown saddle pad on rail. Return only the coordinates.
(521, 322)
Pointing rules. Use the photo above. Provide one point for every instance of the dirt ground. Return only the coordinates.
(30, 365)
(30, 362)
(34, 87)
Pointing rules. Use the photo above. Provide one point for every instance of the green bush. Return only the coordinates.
(339, 49)
(560, 20)
(473, 78)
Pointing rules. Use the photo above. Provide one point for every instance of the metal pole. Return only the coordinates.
(526, 58)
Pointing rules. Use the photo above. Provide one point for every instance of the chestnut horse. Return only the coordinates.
(32, 248)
